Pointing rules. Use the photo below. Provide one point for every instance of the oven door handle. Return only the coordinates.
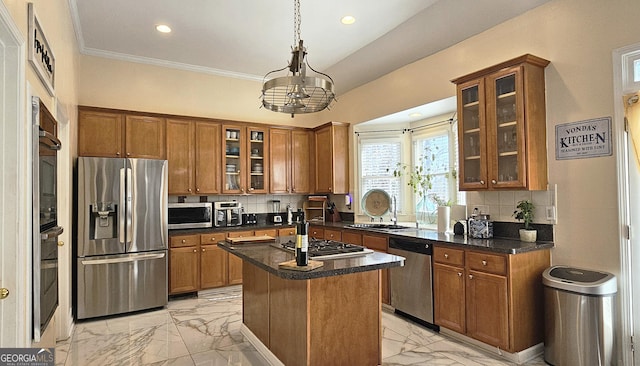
(51, 233)
(51, 141)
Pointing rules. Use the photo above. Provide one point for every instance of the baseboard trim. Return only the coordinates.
(260, 347)
(517, 357)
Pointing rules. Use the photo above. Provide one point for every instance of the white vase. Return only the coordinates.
(528, 235)
(444, 219)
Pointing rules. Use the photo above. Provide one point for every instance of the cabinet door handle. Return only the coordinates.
(189, 190)
(446, 255)
(195, 251)
(329, 189)
(213, 239)
(128, 154)
(493, 181)
(197, 189)
(481, 181)
(203, 249)
(459, 274)
(470, 277)
(484, 263)
(117, 153)
(183, 241)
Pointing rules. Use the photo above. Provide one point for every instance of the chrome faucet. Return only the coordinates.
(394, 219)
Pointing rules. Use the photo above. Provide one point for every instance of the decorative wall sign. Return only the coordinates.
(584, 139)
(40, 53)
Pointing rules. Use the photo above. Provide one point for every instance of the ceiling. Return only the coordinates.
(248, 38)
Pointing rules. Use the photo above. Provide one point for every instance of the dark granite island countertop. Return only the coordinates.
(267, 256)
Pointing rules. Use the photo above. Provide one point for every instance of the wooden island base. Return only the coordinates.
(332, 320)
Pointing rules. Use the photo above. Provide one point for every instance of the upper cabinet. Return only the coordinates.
(332, 158)
(289, 157)
(193, 153)
(502, 126)
(119, 135)
(245, 151)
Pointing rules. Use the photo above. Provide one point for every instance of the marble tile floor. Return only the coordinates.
(205, 331)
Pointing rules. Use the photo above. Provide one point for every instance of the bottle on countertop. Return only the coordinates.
(302, 244)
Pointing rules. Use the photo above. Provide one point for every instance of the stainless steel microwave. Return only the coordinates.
(190, 215)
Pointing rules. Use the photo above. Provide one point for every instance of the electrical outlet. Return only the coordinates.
(551, 213)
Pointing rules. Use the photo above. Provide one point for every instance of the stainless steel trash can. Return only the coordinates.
(579, 316)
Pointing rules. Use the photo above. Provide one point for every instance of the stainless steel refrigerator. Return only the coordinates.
(121, 248)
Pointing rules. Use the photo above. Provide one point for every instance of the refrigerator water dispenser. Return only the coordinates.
(103, 221)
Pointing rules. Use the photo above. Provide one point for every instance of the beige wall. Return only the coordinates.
(577, 36)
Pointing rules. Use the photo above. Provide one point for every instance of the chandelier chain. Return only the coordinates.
(296, 23)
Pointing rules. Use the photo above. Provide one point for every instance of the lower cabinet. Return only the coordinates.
(381, 244)
(196, 263)
(493, 298)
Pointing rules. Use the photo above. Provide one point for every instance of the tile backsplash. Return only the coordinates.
(253, 203)
(501, 204)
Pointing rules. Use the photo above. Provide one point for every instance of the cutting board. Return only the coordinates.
(251, 239)
(293, 266)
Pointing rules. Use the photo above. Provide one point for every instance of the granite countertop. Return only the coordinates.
(267, 257)
(496, 245)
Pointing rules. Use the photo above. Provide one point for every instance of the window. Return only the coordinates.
(434, 147)
(378, 158)
(435, 151)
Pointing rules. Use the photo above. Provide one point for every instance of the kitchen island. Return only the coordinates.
(330, 315)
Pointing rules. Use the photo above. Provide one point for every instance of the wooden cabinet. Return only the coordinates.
(287, 231)
(113, 134)
(289, 157)
(246, 164)
(332, 158)
(184, 266)
(502, 126)
(352, 237)
(381, 244)
(266, 232)
(213, 261)
(316, 232)
(193, 153)
(493, 298)
(235, 263)
(330, 234)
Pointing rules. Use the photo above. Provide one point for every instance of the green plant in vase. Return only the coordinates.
(419, 178)
(525, 213)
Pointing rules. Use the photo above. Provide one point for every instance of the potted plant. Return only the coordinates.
(524, 213)
(419, 178)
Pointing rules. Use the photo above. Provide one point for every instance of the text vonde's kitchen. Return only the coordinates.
(584, 139)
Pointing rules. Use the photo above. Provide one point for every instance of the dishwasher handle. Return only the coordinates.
(412, 245)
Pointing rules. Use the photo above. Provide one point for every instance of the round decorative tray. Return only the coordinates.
(376, 203)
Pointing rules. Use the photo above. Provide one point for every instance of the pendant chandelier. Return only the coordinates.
(297, 92)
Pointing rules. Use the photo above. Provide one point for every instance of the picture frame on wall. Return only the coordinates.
(40, 54)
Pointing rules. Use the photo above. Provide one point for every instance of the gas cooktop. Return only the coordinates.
(320, 249)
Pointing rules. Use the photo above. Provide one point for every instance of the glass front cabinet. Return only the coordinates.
(502, 126)
(244, 154)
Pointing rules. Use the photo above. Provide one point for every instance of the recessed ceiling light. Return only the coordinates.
(163, 28)
(348, 19)
(415, 114)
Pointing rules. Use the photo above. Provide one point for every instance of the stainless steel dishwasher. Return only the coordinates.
(412, 285)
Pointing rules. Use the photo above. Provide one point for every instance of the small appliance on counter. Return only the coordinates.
(249, 219)
(276, 218)
(190, 215)
(227, 213)
(480, 227)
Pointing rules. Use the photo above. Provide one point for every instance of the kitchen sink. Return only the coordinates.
(378, 226)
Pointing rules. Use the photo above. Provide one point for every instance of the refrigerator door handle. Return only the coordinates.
(122, 213)
(131, 258)
(129, 206)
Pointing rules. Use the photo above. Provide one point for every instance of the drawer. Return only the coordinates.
(445, 255)
(316, 233)
(213, 238)
(332, 235)
(352, 238)
(379, 243)
(184, 241)
(239, 234)
(485, 262)
(287, 231)
(266, 232)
